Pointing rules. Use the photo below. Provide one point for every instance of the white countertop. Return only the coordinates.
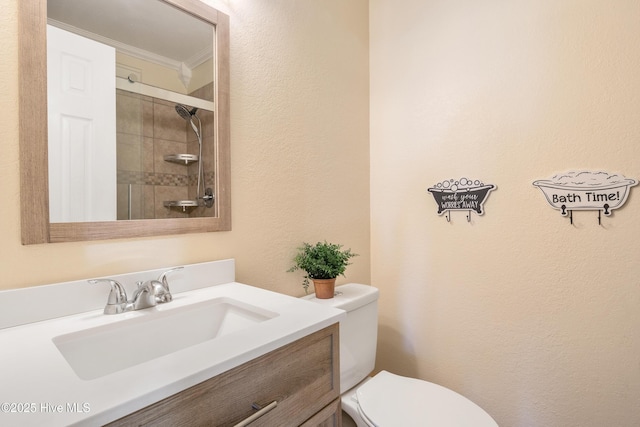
(38, 387)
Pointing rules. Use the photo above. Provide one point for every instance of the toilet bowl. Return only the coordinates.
(392, 400)
(387, 399)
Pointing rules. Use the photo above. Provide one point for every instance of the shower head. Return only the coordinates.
(184, 112)
(189, 115)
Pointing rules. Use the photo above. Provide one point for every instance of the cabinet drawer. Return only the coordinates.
(302, 377)
(330, 416)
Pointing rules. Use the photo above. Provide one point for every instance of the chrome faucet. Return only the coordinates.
(147, 294)
(143, 296)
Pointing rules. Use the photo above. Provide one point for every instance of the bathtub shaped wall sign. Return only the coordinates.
(586, 190)
(461, 195)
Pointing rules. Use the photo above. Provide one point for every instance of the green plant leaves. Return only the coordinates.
(321, 261)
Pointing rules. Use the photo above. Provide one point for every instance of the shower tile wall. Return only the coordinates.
(147, 130)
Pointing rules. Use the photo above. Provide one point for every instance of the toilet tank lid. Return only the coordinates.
(349, 297)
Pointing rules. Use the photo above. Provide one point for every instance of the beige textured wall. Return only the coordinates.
(300, 153)
(536, 320)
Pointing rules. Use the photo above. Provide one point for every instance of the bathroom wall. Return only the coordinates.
(533, 318)
(162, 76)
(299, 154)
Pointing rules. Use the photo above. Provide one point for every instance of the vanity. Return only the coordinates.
(221, 353)
(293, 385)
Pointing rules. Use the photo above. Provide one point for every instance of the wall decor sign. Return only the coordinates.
(586, 190)
(461, 195)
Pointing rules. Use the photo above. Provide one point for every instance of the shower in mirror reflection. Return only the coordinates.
(207, 193)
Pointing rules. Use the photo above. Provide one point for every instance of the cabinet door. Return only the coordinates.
(302, 378)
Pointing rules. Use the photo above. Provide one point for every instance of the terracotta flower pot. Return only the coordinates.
(325, 288)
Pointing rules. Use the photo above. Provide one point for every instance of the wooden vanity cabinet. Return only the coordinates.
(302, 377)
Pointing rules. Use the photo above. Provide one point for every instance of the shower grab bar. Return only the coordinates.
(134, 86)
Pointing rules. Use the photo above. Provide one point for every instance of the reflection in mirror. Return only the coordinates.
(138, 122)
(118, 148)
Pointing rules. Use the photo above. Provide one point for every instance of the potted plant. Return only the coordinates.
(322, 263)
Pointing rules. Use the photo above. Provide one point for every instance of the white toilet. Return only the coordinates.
(387, 399)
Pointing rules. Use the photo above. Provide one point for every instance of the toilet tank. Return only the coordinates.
(358, 332)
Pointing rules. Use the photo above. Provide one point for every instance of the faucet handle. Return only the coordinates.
(160, 292)
(117, 301)
(163, 277)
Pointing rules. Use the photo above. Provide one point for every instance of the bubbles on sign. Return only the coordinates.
(459, 185)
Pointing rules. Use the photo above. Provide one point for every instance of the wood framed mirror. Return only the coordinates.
(34, 162)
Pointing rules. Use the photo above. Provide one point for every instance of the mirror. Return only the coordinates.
(191, 102)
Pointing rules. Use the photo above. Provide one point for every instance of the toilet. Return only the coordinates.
(387, 399)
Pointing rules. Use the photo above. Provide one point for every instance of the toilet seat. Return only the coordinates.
(391, 400)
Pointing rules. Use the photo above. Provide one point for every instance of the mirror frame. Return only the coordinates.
(33, 129)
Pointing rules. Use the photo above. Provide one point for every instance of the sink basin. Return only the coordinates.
(102, 350)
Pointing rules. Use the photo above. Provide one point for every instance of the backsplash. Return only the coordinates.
(34, 304)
